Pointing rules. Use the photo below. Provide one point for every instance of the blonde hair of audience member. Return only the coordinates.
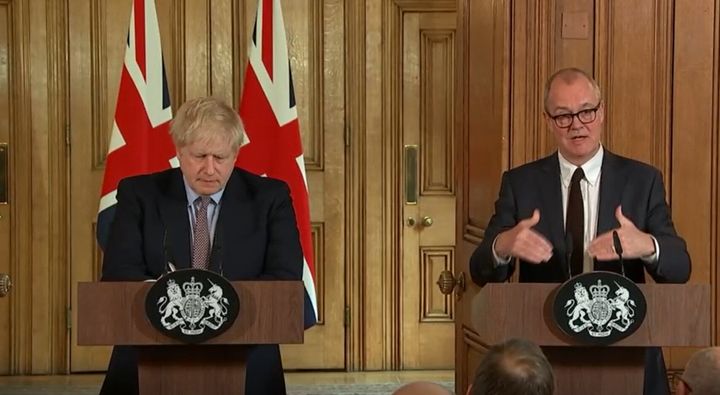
(204, 118)
(422, 388)
(702, 374)
(516, 367)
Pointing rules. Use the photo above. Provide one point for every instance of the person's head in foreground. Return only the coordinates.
(422, 388)
(516, 367)
(702, 374)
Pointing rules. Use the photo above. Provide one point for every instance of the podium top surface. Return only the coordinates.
(677, 315)
(113, 313)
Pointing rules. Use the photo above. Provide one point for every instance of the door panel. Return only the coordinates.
(5, 178)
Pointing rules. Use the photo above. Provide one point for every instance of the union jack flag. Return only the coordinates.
(140, 142)
(269, 114)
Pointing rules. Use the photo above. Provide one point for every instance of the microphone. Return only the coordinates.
(568, 253)
(217, 250)
(619, 250)
(167, 257)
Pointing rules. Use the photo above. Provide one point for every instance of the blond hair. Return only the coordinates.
(206, 117)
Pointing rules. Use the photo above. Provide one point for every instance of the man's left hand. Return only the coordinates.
(635, 243)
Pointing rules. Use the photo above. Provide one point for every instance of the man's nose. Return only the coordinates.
(209, 165)
(576, 123)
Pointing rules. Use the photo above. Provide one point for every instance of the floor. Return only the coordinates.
(298, 383)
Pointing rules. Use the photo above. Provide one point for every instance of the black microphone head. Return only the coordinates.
(616, 243)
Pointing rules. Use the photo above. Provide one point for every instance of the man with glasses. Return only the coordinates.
(557, 215)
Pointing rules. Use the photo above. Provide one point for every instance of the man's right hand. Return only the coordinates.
(523, 242)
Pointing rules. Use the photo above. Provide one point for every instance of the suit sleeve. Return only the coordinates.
(482, 262)
(673, 264)
(123, 259)
(284, 259)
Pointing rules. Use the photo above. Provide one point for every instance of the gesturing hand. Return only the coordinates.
(635, 243)
(523, 242)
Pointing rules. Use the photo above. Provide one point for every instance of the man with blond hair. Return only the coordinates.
(702, 374)
(183, 216)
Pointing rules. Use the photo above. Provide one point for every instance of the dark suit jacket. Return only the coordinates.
(256, 237)
(634, 185)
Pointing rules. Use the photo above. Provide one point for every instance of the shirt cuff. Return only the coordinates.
(652, 258)
(499, 261)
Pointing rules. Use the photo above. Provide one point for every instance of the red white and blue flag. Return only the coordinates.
(269, 114)
(140, 142)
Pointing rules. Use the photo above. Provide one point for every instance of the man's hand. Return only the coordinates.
(523, 242)
(635, 243)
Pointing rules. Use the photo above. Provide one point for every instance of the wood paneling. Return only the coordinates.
(33, 224)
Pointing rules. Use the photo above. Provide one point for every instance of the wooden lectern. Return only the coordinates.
(113, 313)
(677, 315)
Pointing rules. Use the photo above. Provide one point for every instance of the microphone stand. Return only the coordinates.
(618, 250)
(568, 253)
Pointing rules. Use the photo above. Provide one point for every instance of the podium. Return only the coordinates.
(677, 315)
(113, 313)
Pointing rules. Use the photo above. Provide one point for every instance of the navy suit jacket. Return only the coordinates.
(256, 237)
(636, 186)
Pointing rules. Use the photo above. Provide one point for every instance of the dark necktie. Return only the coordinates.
(575, 222)
(201, 233)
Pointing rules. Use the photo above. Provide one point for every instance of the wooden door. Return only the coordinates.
(429, 189)
(5, 177)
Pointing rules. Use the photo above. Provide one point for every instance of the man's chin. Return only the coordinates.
(206, 190)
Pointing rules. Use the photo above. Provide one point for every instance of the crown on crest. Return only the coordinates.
(192, 287)
(599, 290)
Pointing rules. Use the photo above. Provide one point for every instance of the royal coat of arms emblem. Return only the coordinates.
(192, 305)
(599, 307)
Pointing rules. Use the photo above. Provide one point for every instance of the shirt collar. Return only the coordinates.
(192, 195)
(591, 168)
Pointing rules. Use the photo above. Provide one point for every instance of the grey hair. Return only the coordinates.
(569, 75)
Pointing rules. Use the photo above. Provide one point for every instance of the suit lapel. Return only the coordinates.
(234, 221)
(173, 211)
(551, 212)
(612, 183)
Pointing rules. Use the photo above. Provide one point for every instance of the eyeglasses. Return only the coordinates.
(584, 116)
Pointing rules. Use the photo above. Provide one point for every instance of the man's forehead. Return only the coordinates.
(577, 94)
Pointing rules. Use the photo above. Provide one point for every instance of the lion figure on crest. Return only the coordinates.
(577, 309)
(171, 304)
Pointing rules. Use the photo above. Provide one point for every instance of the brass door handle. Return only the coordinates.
(410, 221)
(447, 283)
(427, 221)
(5, 284)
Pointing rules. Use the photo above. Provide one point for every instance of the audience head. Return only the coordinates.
(516, 367)
(422, 388)
(702, 373)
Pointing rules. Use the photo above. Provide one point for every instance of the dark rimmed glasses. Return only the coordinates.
(584, 116)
